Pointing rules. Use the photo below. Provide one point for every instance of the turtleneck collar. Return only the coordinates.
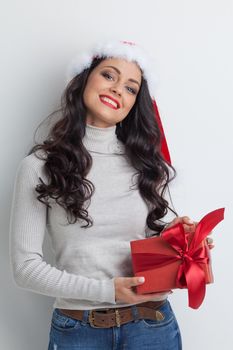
(102, 140)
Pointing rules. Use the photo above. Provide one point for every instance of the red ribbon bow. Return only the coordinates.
(190, 273)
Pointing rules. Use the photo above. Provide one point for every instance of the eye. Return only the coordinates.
(133, 91)
(107, 75)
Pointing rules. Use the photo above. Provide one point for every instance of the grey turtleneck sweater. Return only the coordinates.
(87, 260)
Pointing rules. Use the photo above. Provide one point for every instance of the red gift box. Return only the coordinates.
(176, 259)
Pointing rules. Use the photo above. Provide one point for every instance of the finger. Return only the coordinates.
(209, 240)
(180, 219)
(189, 228)
(188, 221)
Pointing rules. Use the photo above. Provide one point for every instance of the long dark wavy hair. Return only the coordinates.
(68, 162)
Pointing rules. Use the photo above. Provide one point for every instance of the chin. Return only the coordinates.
(101, 120)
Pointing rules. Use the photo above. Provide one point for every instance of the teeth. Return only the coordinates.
(109, 101)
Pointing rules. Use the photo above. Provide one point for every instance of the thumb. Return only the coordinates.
(136, 281)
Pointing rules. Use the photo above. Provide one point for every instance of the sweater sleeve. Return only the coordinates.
(27, 229)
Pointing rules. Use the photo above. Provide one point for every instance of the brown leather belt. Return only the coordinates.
(106, 318)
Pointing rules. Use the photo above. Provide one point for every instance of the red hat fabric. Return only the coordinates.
(164, 147)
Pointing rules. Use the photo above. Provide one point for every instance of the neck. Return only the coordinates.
(102, 140)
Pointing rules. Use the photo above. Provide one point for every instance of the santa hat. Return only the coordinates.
(131, 52)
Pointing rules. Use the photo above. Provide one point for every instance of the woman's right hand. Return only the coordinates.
(124, 290)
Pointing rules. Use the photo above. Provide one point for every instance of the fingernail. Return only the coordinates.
(141, 279)
(191, 221)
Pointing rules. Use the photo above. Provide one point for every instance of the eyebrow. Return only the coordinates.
(117, 70)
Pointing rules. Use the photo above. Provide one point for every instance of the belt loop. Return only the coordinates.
(135, 313)
(85, 317)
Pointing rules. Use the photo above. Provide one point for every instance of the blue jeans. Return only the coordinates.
(67, 333)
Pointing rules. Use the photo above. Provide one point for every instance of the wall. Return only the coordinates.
(190, 41)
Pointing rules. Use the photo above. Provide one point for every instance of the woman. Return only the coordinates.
(80, 185)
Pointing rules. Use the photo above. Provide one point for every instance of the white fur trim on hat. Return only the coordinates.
(115, 48)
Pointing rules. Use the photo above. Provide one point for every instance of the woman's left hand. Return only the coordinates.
(189, 226)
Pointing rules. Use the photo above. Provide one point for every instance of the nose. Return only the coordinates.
(116, 89)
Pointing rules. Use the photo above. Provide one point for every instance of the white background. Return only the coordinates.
(192, 44)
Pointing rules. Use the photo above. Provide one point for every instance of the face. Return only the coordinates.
(111, 91)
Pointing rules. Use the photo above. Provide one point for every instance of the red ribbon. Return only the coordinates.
(190, 273)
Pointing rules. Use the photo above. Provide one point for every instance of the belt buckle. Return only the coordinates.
(118, 318)
(91, 319)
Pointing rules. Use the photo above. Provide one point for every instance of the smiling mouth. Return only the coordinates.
(109, 102)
